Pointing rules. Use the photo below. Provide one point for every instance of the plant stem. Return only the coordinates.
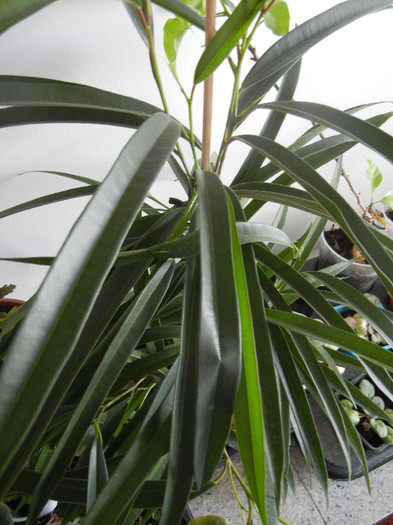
(366, 213)
(232, 121)
(147, 22)
(208, 89)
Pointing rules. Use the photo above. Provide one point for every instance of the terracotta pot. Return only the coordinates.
(387, 520)
(7, 304)
(390, 301)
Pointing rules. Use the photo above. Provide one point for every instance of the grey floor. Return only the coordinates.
(349, 502)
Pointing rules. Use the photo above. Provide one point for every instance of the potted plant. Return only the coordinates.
(7, 306)
(155, 325)
(336, 247)
(374, 431)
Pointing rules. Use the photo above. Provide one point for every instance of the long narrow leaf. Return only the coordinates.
(226, 38)
(272, 125)
(282, 55)
(329, 334)
(257, 407)
(181, 460)
(219, 340)
(360, 130)
(150, 444)
(181, 9)
(13, 11)
(50, 332)
(60, 196)
(98, 474)
(110, 367)
(331, 200)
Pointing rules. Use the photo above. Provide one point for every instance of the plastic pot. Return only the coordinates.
(45, 513)
(360, 276)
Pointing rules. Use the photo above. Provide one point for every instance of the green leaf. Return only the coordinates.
(98, 474)
(218, 344)
(183, 10)
(284, 53)
(271, 192)
(343, 122)
(72, 176)
(13, 11)
(258, 382)
(277, 18)
(329, 198)
(367, 388)
(174, 30)
(6, 289)
(60, 196)
(388, 200)
(50, 331)
(350, 296)
(44, 100)
(226, 38)
(336, 336)
(374, 174)
(272, 124)
(181, 459)
(379, 427)
(128, 334)
(149, 446)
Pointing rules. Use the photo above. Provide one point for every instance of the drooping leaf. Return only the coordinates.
(272, 124)
(285, 52)
(50, 332)
(257, 407)
(13, 11)
(150, 445)
(181, 461)
(219, 337)
(330, 199)
(184, 10)
(127, 337)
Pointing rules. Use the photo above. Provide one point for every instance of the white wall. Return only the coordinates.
(93, 42)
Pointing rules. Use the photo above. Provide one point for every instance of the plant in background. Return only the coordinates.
(370, 214)
(156, 325)
(6, 312)
(337, 238)
(360, 417)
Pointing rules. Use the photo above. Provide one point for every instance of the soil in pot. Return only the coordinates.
(339, 241)
(389, 214)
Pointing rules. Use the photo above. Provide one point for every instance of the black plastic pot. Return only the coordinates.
(335, 461)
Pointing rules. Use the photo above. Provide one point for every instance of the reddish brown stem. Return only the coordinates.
(268, 6)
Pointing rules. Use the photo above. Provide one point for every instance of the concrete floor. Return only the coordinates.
(349, 502)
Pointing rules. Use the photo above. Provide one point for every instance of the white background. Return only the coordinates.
(94, 42)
